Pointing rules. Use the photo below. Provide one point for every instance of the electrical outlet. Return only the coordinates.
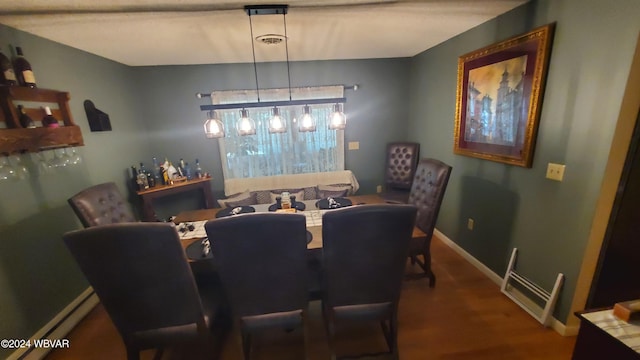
(470, 224)
(379, 189)
(354, 145)
(555, 171)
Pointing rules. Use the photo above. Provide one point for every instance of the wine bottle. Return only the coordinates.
(157, 174)
(198, 171)
(143, 183)
(48, 120)
(151, 181)
(25, 120)
(7, 75)
(23, 70)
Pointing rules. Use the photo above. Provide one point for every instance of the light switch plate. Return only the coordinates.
(354, 145)
(555, 171)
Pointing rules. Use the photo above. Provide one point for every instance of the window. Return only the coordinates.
(292, 152)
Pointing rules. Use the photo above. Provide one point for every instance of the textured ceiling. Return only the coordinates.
(163, 32)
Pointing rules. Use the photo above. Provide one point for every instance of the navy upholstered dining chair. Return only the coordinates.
(100, 205)
(364, 255)
(427, 193)
(400, 166)
(262, 263)
(141, 276)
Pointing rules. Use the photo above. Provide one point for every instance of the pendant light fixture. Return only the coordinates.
(307, 122)
(213, 127)
(338, 120)
(245, 126)
(277, 123)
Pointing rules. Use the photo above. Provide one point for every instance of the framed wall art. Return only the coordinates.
(499, 97)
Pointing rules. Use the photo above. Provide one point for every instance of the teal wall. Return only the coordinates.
(548, 221)
(38, 278)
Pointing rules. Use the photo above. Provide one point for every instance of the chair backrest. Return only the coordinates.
(262, 261)
(402, 158)
(141, 275)
(365, 249)
(100, 205)
(427, 192)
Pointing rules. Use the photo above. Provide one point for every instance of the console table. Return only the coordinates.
(159, 191)
(603, 336)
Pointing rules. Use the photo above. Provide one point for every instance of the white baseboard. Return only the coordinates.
(555, 324)
(59, 326)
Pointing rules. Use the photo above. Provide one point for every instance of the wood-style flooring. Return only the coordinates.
(464, 317)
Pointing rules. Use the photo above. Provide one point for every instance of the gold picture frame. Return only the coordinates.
(499, 96)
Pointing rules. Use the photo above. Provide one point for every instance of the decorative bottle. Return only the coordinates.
(187, 171)
(198, 172)
(157, 173)
(7, 75)
(23, 70)
(48, 120)
(25, 120)
(151, 181)
(143, 182)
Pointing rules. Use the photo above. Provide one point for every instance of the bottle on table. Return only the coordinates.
(181, 166)
(23, 70)
(151, 181)
(143, 182)
(187, 171)
(7, 75)
(25, 120)
(157, 174)
(134, 178)
(198, 171)
(48, 120)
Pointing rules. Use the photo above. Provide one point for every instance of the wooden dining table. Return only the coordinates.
(316, 231)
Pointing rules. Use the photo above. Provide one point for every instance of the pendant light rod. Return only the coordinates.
(286, 46)
(273, 103)
(253, 50)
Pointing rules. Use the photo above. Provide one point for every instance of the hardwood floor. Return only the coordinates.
(464, 317)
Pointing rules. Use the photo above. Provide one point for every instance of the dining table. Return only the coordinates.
(190, 223)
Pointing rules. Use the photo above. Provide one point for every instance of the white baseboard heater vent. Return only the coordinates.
(541, 305)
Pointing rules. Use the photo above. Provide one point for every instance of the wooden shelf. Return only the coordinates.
(16, 139)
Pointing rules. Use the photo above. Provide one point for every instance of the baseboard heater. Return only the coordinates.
(59, 326)
(539, 295)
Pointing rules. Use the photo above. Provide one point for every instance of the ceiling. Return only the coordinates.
(175, 32)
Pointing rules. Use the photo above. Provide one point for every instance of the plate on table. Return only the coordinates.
(300, 206)
(230, 211)
(337, 203)
(198, 250)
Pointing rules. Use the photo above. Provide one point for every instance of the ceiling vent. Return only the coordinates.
(270, 39)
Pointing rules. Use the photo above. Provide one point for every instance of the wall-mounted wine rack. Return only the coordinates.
(16, 139)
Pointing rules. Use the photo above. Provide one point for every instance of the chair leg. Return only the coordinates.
(133, 353)
(330, 329)
(246, 344)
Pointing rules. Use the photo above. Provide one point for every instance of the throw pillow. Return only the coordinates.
(234, 197)
(251, 200)
(298, 193)
(325, 191)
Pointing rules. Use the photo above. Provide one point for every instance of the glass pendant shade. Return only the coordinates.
(276, 123)
(307, 123)
(213, 127)
(338, 119)
(245, 126)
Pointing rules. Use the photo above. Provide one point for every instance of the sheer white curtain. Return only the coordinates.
(292, 152)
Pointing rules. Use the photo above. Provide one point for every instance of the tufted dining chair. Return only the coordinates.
(100, 205)
(141, 276)
(400, 166)
(364, 255)
(426, 194)
(262, 263)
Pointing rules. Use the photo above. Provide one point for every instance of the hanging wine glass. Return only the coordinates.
(76, 158)
(59, 159)
(7, 172)
(44, 167)
(21, 170)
